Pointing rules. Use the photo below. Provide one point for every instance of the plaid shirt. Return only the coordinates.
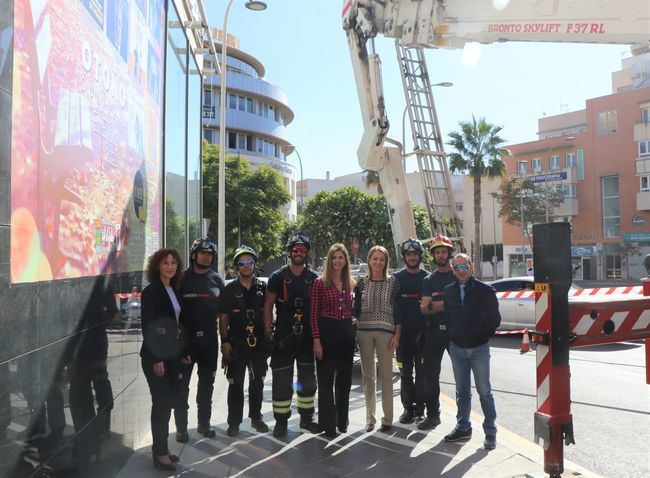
(330, 303)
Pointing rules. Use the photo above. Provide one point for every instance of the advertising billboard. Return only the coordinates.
(86, 137)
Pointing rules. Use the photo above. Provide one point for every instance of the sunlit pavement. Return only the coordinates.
(404, 452)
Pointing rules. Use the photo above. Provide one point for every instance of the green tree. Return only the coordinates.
(343, 214)
(521, 198)
(478, 152)
(174, 227)
(253, 199)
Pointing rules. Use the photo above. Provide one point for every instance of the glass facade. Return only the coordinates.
(76, 228)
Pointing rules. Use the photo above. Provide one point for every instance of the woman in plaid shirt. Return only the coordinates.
(334, 337)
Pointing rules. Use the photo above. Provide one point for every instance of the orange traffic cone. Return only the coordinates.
(525, 343)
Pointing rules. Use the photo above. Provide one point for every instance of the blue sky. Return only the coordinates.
(304, 50)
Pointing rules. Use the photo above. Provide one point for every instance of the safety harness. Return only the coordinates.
(250, 314)
(288, 301)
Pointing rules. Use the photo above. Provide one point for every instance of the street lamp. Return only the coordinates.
(288, 149)
(444, 84)
(221, 208)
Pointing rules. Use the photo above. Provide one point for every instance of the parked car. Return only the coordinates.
(517, 311)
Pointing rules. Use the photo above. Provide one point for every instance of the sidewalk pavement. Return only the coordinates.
(403, 452)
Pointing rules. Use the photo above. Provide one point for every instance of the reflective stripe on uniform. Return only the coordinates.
(281, 406)
(399, 364)
(305, 402)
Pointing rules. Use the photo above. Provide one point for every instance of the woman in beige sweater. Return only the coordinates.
(378, 332)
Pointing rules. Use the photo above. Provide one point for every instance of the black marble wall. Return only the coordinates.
(73, 400)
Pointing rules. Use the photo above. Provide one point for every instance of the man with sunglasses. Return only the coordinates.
(241, 326)
(289, 289)
(473, 311)
(199, 290)
(436, 338)
(409, 350)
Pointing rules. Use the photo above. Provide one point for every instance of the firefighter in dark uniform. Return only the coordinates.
(289, 288)
(409, 351)
(199, 290)
(241, 326)
(436, 336)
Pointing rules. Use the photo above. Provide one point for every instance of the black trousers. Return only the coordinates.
(409, 359)
(282, 366)
(205, 357)
(255, 362)
(436, 342)
(163, 395)
(335, 372)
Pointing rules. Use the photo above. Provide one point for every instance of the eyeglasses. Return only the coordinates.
(246, 263)
(297, 249)
(459, 267)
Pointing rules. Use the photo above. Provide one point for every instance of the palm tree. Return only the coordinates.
(478, 153)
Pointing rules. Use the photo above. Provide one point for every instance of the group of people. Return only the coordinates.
(318, 324)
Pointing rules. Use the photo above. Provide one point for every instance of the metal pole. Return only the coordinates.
(221, 209)
(523, 245)
(301, 176)
(494, 240)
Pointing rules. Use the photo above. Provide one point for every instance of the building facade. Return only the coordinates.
(257, 115)
(600, 156)
(100, 149)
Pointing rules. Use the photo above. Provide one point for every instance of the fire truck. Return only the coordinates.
(417, 24)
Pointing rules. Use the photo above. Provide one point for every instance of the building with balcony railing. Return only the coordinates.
(257, 115)
(600, 156)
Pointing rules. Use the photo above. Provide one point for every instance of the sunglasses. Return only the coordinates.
(464, 267)
(297, 249)
(246, 263)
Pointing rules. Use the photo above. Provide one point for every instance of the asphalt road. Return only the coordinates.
(611, 403)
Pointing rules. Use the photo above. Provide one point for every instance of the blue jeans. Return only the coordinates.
(474, 361)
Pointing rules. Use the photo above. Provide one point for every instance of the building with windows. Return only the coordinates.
(600, 156)
(100, 159)
(257, 115)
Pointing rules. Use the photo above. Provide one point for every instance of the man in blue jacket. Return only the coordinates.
(473, 312)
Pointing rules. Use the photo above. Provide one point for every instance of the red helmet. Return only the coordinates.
(441, 241)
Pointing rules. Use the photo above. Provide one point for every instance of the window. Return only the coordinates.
(554, 162)
(459, 206)
(537, 165)
(249, 105)
(232, 102)
(570, 160)
(241, 141)
(569, 190)
(611, 212)
(265, 110)
(270, 113)
(207, 135)
(232, 140)
(521, 167)
(645, 183)
(250, 144)
(607, 122)
(242, 103)
(260, 145)
(644, 148)
(645, 115)
(207, 97)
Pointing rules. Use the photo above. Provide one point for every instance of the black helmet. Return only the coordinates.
(203, 244)
(411, 245)
(242, 250)
(297, 239)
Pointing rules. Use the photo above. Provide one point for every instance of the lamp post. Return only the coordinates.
(288, 149)
(444, 84)
(221, 207)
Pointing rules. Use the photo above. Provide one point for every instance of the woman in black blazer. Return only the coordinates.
(163, 346)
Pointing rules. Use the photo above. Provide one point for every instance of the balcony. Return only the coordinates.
(641, 131)
(642, 166)
(643, 201)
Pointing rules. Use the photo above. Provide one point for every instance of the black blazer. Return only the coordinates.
(163, 339)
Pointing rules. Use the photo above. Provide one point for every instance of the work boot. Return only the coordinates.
(182, 436)
(407, 417)
(233, 430)
(259, 425)
(429, 423)
(206, 431)
(308, 423)
(280, 429)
